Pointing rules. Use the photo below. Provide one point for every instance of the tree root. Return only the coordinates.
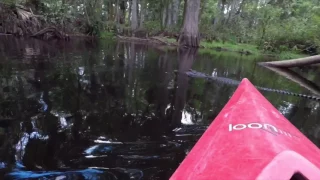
(20, 21)
(189, 40)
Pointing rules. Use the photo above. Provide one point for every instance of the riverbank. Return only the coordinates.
(208, 47)
(247, 49)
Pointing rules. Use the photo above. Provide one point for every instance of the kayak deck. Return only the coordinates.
(250, 139)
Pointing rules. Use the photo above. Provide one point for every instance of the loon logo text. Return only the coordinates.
(263, 126)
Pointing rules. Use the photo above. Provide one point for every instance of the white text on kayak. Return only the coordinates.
(262, 126)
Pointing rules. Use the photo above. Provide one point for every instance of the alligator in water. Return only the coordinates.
(225, 80)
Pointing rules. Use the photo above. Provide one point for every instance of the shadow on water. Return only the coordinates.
(90, 110)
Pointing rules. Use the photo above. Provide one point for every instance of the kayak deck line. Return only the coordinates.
(248, 151)
(197, 74)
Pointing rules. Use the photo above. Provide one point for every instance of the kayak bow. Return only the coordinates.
(250, 139)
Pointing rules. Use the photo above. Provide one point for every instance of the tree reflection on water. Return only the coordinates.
(89, 110)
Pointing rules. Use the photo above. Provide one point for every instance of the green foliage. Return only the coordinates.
(272, 26)
(282, 53)
(152, 26)
(278, 26)
(228, 54)
(230, 46)
(106, 34)
(8, 2)
(289, 55)
(170, 40)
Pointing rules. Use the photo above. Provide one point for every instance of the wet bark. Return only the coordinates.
(294, 62)
(189, 35)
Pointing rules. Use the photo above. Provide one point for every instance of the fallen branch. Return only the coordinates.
(297, 78)
(132, 38)
(23, 8)
(156, 40)
(293, 62)
(163, 41)
(53, 32)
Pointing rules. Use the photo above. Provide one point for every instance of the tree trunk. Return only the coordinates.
(117, 20)
(219, 18)
(138, 12)
(169, 15)
(111, 13)
(142, 12)
(252, 20)
(184, 9)
(175, 11)
(164, 17)
(189, 35)
(122, 12)
(134, 18)
(294, 62)
(234, 8)
(130, 10)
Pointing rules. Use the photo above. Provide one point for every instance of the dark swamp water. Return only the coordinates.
(107, 110)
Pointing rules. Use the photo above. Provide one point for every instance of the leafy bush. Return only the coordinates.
(152, 26)
(106, 34)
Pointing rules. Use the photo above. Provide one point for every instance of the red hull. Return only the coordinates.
(250, 139)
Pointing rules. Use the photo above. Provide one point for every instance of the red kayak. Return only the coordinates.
(250, 139)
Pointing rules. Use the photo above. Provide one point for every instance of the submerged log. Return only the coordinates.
(293, 62)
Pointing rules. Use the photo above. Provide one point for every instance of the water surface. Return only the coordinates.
(98, 109)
